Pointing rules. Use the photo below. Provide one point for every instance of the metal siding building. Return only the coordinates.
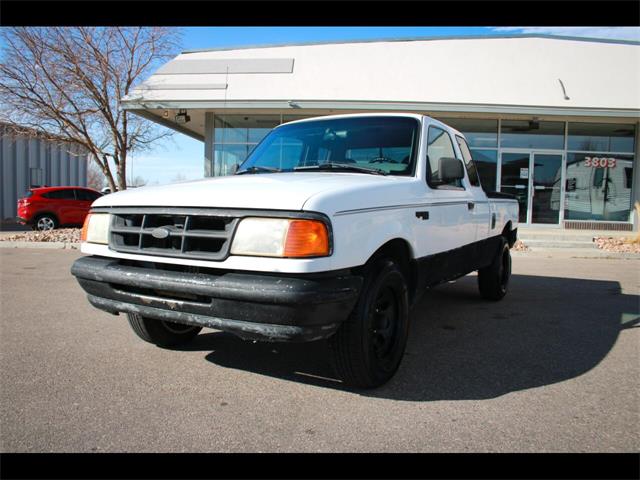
(554, 120)
(31, 161)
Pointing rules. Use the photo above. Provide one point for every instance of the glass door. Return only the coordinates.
(546, 189)
(514, 179)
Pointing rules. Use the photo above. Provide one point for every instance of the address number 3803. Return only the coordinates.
(600, 162)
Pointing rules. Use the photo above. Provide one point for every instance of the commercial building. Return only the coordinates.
(553, 120)
(28, 161)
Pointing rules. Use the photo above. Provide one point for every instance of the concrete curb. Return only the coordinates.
(577, 253)
(49, 245)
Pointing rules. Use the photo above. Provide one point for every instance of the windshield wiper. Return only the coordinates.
(256, 169)
(341, 166)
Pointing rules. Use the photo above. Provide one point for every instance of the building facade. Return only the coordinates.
(552, 120)
(30, 161)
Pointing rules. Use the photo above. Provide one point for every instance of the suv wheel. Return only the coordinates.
(45, 222)
(369, 346)
(494, 279)
(161, 332)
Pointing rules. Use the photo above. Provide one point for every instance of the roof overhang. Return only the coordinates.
(139, 107)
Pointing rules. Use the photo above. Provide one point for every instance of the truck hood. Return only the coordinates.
(278, 191)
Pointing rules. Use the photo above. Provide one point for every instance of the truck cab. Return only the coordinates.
(331, 229)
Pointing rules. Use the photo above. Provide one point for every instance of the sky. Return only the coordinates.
(182, 158)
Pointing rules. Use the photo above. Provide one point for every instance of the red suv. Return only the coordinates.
(47, 208)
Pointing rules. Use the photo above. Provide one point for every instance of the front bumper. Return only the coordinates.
(294, 308)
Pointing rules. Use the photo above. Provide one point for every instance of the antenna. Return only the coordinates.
(563, 90)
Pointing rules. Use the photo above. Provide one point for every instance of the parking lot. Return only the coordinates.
(553, 367)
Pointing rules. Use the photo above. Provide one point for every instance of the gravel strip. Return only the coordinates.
(519, 246)
(61, 235)
(620, 245)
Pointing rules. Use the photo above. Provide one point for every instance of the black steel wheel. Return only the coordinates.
(161, 332)
(493, 281)
(369, 346)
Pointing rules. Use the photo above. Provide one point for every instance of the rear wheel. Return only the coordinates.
(493, 280)
(45, 223)
(369, 346)
(161, 332)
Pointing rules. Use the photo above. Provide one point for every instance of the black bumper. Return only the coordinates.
(251, 305)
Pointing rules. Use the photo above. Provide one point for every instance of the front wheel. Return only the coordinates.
(494, 279)
(161, 332)
(369, 346)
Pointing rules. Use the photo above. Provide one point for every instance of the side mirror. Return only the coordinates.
(451, 169)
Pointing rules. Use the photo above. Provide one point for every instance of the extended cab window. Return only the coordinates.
(439, 146)
(382, 144)
(472, 171)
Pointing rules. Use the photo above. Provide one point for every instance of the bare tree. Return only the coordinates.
(68, 82)
(138, 181)
(178, 177)
(95, 177)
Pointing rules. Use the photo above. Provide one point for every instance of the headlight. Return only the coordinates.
(281, 237)
(96, 228)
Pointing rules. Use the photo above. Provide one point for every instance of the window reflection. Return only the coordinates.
(532, 134)
(479, 133)
(598, 187)
(601, 137)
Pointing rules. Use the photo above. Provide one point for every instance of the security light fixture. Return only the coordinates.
(293, 104)
(182, 116)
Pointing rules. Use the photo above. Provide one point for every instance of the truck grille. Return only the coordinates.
(198, 235)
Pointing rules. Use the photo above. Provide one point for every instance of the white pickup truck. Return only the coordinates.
(331, 229)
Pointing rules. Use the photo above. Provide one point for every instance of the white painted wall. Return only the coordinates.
(488, 71)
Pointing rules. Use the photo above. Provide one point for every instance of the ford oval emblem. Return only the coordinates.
(160, 232)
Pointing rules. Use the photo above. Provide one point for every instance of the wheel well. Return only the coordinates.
(509, 234)
(399, 250)
(50, 214)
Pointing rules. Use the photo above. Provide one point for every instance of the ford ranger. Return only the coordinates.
(330, 229)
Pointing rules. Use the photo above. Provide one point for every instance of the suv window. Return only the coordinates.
(472, 171)
(66, 194)
(439, 146)
(86, 195)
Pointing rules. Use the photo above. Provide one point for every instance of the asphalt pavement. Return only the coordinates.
(554, 367)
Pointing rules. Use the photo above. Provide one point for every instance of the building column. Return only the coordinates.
(208, 144)
(635, 186)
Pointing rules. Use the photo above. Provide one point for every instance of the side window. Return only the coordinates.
(87, 195)
(472, 171)
(60, 195)
(438, 146)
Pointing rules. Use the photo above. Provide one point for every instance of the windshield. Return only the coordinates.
(381, 144)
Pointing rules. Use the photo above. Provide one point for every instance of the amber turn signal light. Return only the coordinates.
(85, 228)
(306, 238)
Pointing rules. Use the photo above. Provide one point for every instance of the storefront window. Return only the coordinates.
(598, 187)
(532, 134)
(486, 161)
(479, 133)
(604, 137)
(235, 136)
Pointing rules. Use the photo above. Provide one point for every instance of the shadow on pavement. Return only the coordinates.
(461, 347)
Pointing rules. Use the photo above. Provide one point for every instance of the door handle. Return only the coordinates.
(422, 215)
(471, 205)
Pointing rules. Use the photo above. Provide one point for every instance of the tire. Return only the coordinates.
(161, 332)
(363, 356)
(45, 222)
(493, 281)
